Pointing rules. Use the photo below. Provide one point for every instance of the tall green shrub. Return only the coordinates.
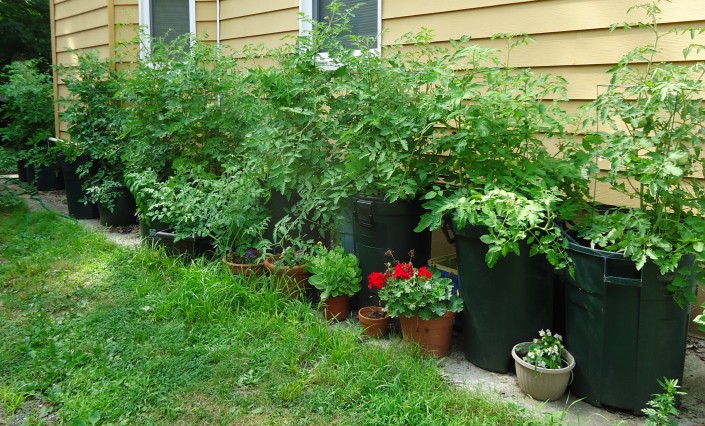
(28, 108)
(95, 120)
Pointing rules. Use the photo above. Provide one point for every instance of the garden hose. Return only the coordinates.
(32, 195)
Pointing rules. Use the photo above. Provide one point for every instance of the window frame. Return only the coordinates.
(145, 21)
(306, 8)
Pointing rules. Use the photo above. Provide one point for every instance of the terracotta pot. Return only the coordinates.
(542, 384)
(336, 308)
(373, 327)
(292, 281)
(433, 335)
(245, 269)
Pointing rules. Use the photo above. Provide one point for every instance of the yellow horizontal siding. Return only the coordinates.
(86, 21)
(401, 8)
(237, 8)
(268, 23)
(77, 7)
(268, 40)
(537, 17)
(127, 14)
(85, 39)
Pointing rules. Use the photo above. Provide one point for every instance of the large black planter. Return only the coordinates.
(623, 328)
(75, 192)
(22, 170)
(279, 206)
(191, 246)
(378, 226)
(503, 305)
(124, 212)
(46, 178)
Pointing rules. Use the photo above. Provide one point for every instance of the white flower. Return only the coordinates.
(558, 336)
(532, 355)
(542, 364)
(542, 333)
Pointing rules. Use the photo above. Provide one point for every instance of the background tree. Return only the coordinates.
(24, 30)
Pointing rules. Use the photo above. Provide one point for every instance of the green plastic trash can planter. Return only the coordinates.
(45, 178)
(378, 226)
(503, 305)
(623, 328)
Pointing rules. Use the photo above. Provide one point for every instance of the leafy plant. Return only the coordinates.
(28, 108)
(546, 351)
(408, 291)
(334, 272)
(95, 121)
(662, 407)
(497, 124)
(650, 130)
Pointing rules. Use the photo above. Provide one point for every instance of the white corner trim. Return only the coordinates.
(306, 9)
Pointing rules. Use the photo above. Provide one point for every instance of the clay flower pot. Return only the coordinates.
(374, 321)
(245, 269)
(292, 281)
(336, 308)
(433, 335)
(542, 384)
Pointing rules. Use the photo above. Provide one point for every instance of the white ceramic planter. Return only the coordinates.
(542, 384)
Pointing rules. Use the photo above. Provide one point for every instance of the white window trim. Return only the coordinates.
(145, 20)
(306, 9)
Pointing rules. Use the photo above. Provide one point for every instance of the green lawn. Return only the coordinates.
(93, 333)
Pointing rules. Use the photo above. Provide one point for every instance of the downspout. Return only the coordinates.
(217, 22)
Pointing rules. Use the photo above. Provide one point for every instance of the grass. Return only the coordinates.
(107, 335)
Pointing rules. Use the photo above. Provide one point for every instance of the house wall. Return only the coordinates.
(76, 24)
(266, 22)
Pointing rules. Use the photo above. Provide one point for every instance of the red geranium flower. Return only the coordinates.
(376, 280)
(424, 272)
(403, 271)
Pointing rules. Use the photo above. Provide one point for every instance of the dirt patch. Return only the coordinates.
(32, 412)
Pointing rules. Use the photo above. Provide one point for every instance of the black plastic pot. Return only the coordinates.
(46, 178)
(74, 191)
(378, 226)
(279, 206)
(503, 305)
(123, 214)
(149, 228)
(623, 328)
(190, 246)
(22, 170)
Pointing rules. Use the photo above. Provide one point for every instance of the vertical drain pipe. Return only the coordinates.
(217, 22)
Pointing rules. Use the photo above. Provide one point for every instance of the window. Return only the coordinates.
(367, 21)
(168, 19)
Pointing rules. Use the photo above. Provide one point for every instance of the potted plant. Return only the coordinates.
(336, 274)
(289, 266)
(423, 301)
(505, 191)
(28, 108)
(543, 366)
(95, 120)
(635, 266)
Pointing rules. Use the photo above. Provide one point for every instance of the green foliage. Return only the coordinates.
(95, 122)
(662, 408)
(651, 132)
(228, 207)
(25, 31)
(334, 272)
(191, 112)
(496, 126)
(28, 108)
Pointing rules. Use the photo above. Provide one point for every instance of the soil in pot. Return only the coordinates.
(374, 320)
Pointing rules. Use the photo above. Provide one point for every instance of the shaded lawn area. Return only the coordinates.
(94, 333)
